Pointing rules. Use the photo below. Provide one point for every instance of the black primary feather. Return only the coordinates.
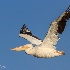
(62, 20)
(25, 30)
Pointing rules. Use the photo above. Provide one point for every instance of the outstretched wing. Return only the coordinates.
(26, 34)
(57, 26)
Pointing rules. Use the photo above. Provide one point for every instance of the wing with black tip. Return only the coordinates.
(27, 34)
(56, 27)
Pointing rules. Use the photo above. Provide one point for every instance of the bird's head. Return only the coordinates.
(21, 48)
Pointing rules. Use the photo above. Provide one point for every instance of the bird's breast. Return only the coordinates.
(45, 52)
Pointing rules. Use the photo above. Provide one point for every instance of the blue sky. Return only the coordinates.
(37, 15)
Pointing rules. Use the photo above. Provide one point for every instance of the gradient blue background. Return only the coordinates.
(37, 15)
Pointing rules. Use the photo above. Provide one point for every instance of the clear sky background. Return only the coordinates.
(37, 15)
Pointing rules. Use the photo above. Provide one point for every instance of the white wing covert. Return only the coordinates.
(26, 34)
(57, 26)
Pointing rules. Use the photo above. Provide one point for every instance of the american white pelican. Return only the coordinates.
(45, 48)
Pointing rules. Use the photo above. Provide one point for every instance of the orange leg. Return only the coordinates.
(60, 52)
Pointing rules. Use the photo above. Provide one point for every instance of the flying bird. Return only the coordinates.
(45, 48)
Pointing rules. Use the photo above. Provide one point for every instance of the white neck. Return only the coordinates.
(30, 51)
